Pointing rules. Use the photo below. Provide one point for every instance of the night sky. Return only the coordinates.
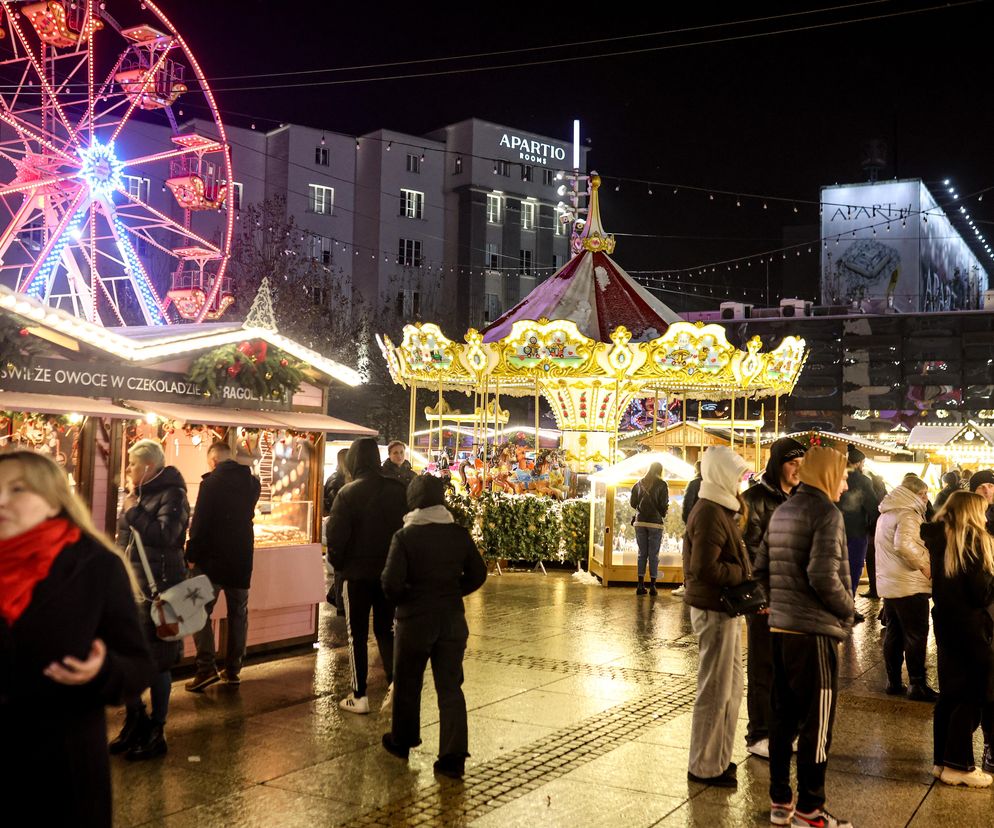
(777, 115)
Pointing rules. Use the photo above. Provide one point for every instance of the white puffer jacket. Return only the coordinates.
(900, 553)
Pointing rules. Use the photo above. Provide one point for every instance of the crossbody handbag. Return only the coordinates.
(180, 610)
(746, 598)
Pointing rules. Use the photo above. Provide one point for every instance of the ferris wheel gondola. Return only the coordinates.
(88, 121)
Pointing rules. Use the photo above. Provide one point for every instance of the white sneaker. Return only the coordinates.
(781, 814)
(387, 699)
(679, 591)
(818, 819)
(937, 770)
(760, 749)
(972, 779)
(354, 705)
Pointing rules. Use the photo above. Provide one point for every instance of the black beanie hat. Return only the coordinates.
(980, 477)
(855, 456)
(781, 451)
(426, 490)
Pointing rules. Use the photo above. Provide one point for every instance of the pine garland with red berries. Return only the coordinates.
(17, 346)
(254, 365)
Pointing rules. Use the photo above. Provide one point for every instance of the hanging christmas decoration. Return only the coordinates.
(17, 346)
(268, 372)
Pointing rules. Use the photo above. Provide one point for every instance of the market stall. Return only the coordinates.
(84, 394)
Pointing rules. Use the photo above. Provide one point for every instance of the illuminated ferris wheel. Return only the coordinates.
(110, 207)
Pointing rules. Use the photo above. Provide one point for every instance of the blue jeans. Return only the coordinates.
(648, 541)
(857, 558)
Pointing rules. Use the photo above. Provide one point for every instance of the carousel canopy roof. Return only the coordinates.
(591, 290)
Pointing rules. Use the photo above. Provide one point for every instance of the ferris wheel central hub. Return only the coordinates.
(100, 169)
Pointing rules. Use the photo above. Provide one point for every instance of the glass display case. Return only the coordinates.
(613, 549)
(283, 523)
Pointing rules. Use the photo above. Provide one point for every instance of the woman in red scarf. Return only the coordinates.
(70, 643)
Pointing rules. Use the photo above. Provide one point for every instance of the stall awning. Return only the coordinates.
(213, 415)
(46, 404)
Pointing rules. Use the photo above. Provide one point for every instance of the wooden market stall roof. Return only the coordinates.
(294, 420)
(50, 404)
(690, 432)
(841, 440)
(966, 435)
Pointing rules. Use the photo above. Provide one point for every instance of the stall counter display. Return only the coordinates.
(283, 524)
(613, 549)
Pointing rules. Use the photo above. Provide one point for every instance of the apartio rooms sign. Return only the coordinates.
(531, 150)
(124, 382)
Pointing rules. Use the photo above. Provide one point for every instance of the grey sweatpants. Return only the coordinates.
(719, 691)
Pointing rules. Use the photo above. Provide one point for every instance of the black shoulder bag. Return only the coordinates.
(746, 598)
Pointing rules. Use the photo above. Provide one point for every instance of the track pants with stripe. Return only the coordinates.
(360, 597)
(805, 688)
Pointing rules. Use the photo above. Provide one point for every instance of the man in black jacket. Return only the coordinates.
(397, 465)
(221, 546)
(432, 564)
(364, 517)
(777, 483)
(860, 509)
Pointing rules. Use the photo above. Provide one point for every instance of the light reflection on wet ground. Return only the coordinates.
(578, 703)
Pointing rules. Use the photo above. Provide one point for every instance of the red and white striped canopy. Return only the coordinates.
(595, 293)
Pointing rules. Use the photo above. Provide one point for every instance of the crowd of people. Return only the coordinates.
(81, 629)
(788, 554)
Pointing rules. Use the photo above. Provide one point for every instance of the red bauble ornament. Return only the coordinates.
(22, 332)
(284, 363)
(234, 370)
(245, 348)
(260, 351)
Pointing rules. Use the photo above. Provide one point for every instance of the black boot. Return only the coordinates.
(918, 690)
(153, 745)
(641, 587)
(652, 587)
(136, 724)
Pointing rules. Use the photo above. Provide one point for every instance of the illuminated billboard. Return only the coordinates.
(879, 254)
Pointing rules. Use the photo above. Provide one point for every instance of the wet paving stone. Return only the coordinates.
(579, 703)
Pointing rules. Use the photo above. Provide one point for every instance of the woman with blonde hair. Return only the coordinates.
(70, 643)
(962, 560)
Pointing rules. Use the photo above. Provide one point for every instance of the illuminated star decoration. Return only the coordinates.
(100, 169)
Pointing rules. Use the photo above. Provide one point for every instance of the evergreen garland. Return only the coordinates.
(17, 346)
(254, 365)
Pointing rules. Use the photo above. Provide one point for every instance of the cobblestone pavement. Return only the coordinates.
(579, 704)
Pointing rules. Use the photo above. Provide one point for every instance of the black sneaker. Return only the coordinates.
(451, 766)
(723, 780)
(229, 677)
(871, 595)
(640, 590)
(988, 761)
(652, 588)
(201, 681)
(393, 748)
(923, 693)
(858, 618)
(893, 689)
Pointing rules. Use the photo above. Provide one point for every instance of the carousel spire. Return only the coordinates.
(592, 237)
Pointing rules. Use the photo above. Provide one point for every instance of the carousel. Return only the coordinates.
(589, 341)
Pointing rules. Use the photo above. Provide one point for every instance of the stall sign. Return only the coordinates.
(101, 380)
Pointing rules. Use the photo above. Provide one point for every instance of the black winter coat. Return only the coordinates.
(430, 568)
(761, 501)
(805, 563)
(690, 497)
(962, 622)
(221, 538)
(54, 759)
(860, 505)
(364, 517)
(403, 473)
(161, 519)
(651, 505)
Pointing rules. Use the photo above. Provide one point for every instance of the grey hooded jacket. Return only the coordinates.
(805, 564)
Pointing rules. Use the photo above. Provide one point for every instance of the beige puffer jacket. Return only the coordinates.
(901, 554)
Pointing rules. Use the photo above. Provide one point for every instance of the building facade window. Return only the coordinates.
(408, 304)
(457, 165)
(321, 156)
(412, 204)
(409, 253)
(321, 249)
(319, 296)
(527, 172)
(493, 256)
(548, 177)
(235, 194)
(502, 168)
(137, 186)
(322, 199)
(526, 262)
(528, 210)
(491, 307)
(495, 208)
(413, 163)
